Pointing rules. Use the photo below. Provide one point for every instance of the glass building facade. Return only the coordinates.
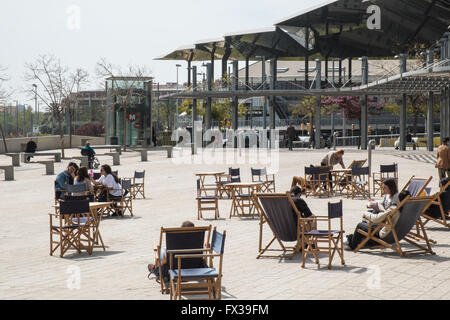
(128, 112)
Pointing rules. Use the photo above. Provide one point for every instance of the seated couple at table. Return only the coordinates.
(64, 178)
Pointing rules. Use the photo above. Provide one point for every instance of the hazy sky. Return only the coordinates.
(80, 32)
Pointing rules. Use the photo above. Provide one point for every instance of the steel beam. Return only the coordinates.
(430, 121)
(317, 109)
(364, 110)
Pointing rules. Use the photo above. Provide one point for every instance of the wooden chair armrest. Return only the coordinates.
(208, 255)
(188, 250)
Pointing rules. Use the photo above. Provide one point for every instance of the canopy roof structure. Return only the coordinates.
(335, 29)
(340, 27)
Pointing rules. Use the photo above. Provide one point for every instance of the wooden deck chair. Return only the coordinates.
(410, 216)
(73, 220)
(190, 240)
(278, 212)
(357, 164)
(386, 172)
(125, 201)
(233, 176)
(327, 241)
(260, 175)
(358, 183)
(317, 181)
(207, 202)
(417, 186)
(438, 203)
(189, 281)
(138, 184)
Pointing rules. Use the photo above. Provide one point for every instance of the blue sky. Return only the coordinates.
(123, 32)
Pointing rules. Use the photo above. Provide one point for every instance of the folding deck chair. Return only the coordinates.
(386, 172)
(234, 176)
(410, 216)
(443, 207)
(318, 181)
(189, 281)
(327, 241)
(260, 175)
(358, 183)
(138, 184)
(417, 186)
(277, 210)
(190, 240)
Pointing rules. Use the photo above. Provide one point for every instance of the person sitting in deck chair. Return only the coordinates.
(163, 257)
(435, 211)
(353, 240)
(31, 148)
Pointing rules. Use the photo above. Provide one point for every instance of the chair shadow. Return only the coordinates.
(335, 266)
(212, 219)
(396, 256)
(99, 254)
(127, 217)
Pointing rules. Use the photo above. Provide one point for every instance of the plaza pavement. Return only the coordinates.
(28, 272)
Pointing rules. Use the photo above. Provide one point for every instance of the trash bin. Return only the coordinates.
(114, 140)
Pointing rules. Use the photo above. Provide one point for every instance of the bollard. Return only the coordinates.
(335, 135)
(372, 144)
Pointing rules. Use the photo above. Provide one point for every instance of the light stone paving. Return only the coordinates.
(28, 272)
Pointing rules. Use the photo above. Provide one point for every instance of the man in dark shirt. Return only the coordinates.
(302, 207)
(291, 135)
(31, 148)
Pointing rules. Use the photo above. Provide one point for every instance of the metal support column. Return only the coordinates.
(247, 73)
(235, 87)
(403, 107)
(194, 109)
(317, 109)
(442, 115)
(430, 121)
(273, 81)
(364, 112)
(208, 122)
(307, 59)
(264, 86)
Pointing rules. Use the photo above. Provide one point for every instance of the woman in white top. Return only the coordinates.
(110, 182)
(390, 191)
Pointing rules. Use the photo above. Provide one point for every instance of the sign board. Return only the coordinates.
(35, 129)
(132, 117)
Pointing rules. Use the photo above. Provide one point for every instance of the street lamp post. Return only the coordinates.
(178, 101)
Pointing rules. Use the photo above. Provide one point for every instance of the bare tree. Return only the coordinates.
(78, 79)
(3, 97)
(58, 84)
(126, 87)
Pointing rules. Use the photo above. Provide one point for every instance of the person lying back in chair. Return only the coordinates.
(435, 211)
(296, 193)
(163, 258)
(353, 240)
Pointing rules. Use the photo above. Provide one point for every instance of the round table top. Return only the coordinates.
(210, 173)
(244, 184)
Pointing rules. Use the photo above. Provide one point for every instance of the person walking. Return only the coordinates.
(443, 159)
(312, 138)
(291, 135)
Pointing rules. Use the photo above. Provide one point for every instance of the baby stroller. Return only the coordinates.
(94, 163)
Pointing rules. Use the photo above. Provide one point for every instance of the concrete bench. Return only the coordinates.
(49, 167)
(84, 160)
(169, 151)
(57, 155)
(144, 154)
(9, 172)
(115, 156)
(15, 157)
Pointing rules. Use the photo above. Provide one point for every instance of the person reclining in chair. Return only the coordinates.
(163, 258)
(353, 240)
(88, 151)
(435, 211)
